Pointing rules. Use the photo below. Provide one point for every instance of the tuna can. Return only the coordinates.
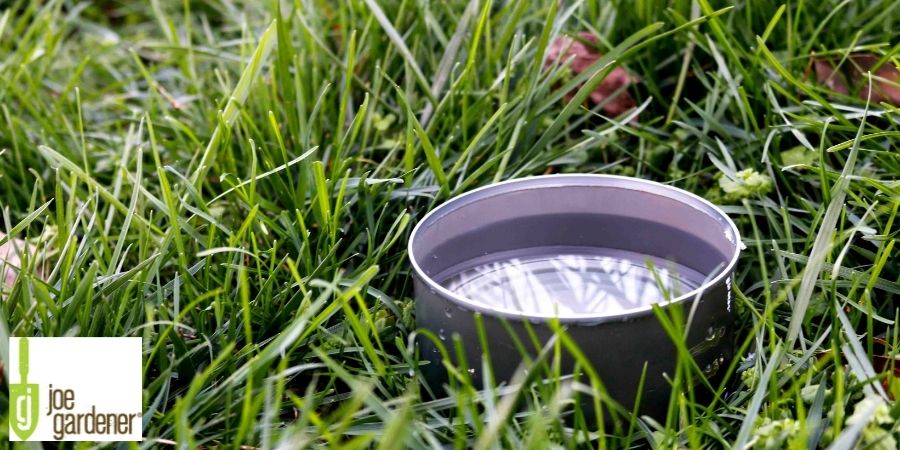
(594, 252)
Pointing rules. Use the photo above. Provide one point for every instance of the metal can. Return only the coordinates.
(569, 248)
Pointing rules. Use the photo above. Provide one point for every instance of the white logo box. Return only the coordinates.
(95, 384)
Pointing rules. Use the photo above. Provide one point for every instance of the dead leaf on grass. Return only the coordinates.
(885, 361)
(582, 52)
(850, 76)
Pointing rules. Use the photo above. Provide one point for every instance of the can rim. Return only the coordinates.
(573, 180)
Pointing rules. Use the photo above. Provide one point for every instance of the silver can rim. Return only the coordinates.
(572, 180)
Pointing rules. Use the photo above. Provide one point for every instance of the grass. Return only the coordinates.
(235, 183)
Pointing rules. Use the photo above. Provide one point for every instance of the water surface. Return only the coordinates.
(567, 280)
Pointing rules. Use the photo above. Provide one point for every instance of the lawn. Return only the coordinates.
(235, 183)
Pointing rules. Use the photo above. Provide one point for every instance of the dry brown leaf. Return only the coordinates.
(852, 74)
(884, 361)
(884, 89)
(583, 52)
(827, 76)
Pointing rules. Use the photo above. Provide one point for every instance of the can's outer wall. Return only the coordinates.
(601, 211)
(618, 349)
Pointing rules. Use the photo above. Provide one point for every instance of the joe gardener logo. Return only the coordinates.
(24, 398)
(75, 389)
